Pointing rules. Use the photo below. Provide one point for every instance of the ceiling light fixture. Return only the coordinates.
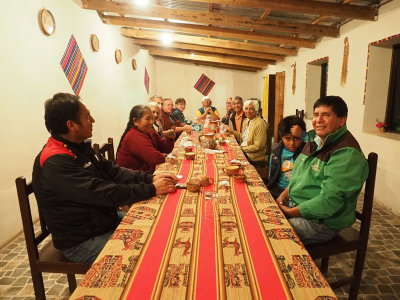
(141, 2)
(166, 38)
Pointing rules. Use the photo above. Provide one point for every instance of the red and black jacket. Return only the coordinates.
(78, 192)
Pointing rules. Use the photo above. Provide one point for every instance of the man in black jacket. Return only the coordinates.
(78, 192)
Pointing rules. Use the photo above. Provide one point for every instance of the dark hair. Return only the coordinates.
(286, 124)
(58, 110)
(180, 100)
(137, 112)
(238, 98)
(338, 105)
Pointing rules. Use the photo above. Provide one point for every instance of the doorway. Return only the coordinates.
(276, 96)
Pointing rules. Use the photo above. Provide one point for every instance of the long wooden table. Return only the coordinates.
(236, 245)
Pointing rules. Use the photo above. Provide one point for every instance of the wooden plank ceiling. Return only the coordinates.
(244, 35)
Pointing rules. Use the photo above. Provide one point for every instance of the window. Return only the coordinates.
(317, 83)
(392, 117)
(382, 86)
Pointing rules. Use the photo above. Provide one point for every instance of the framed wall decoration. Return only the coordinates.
(118, 56)
(47, 22)
(133, 63)
(94, 42)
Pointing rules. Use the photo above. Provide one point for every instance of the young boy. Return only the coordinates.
(180, 105)
(292, 130)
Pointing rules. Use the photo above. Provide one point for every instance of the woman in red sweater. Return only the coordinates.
(141, 147)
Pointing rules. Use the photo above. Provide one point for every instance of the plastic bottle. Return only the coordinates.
(207, 120)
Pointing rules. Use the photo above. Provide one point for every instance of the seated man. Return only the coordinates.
(78, 192)
(327, 177)
(156, 98)
(229, 111)
(207, 109)
(292, 130)
(169, 121)
(237, 118)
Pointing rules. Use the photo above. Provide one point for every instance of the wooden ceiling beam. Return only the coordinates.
(211, 18)
(153, 35)
(216, 56)
(265, 14)
(323, 18)
(211, 64)
(272, 57)
(213, 58)
(210, 30)
(320, 19)
(369, 13)
(227, 66)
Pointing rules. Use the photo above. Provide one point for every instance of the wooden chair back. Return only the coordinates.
(300, 113)
(106, 150)
(47, 259)
(350, 239)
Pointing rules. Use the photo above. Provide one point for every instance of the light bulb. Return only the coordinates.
(166, 38)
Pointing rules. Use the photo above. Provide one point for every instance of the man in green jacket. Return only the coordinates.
(327, 177)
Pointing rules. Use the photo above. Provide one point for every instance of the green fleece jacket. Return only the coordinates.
(326, 181)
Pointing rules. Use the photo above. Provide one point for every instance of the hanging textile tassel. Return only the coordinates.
(345, 60)
(294, 78)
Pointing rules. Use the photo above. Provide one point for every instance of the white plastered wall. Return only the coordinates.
(178, 79)
(360, 34)
(31, 73)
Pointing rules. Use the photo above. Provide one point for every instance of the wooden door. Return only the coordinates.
(279, 99)
(271, 112)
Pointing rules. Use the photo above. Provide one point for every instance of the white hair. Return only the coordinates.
(254, 102)
(154, 104)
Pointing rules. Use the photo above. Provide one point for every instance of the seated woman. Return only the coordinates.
(141, 148)
(253, 135)
(157, 123)
(207, 109)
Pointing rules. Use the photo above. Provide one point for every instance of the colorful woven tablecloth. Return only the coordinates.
(234, 244)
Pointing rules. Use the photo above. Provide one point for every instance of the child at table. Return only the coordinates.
(292, 131)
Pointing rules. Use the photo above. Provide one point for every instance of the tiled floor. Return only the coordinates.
(381, 279)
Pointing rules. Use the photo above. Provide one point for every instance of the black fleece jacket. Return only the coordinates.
(78, 193)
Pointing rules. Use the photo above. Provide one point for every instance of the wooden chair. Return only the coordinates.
(106, 150)
(300, 113)
(351, 239)
(47, 259)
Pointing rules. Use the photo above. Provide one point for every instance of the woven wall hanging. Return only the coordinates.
(294, 78)
(345, 60)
